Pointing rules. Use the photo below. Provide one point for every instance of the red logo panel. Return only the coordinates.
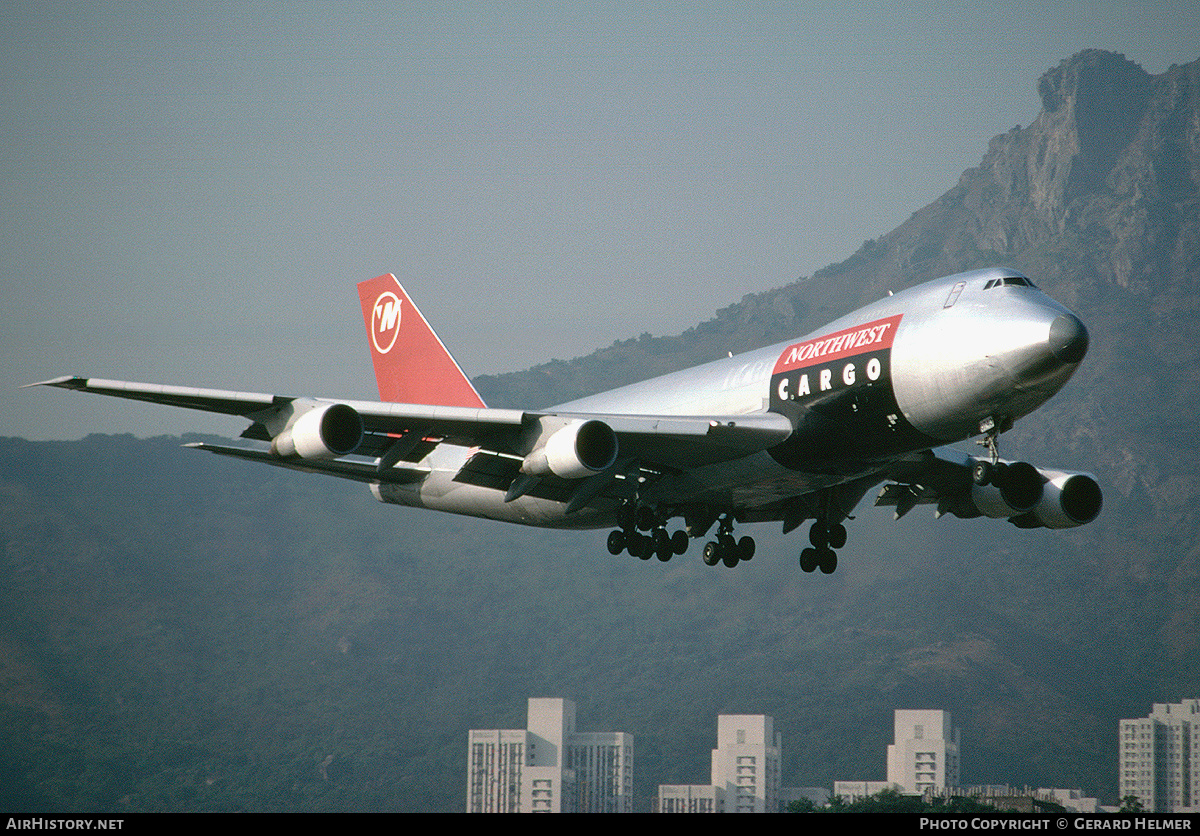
(872, 336)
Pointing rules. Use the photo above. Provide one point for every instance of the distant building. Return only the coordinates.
(549, 767)
(1073, 800)
(925, 755)
(745, 771)
(922, 760)
(690, 798)
(851, 791)
(1159, 758)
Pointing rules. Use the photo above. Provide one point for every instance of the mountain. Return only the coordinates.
(183, 632)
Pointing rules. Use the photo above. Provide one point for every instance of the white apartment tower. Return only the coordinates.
(1160, 758)
(925, 754)
(746, 763)
(549, 767)
(745, 771)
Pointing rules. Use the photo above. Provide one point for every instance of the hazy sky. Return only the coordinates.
(191, 190)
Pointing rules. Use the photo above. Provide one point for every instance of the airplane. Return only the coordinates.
(797, 431)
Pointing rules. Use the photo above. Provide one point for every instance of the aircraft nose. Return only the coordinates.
(1068, 338)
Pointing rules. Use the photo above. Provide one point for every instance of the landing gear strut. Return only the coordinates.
(725, 549)
(984, 472)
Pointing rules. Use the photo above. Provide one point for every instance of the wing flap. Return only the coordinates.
(346, 467)
(683, 442)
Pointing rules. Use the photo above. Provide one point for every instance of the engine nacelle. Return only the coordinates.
(324, 432)
(573, 451)
(1069, 499)
(1015, 488)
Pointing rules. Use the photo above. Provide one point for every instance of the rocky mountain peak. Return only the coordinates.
(1092, 105)
(1107, 176)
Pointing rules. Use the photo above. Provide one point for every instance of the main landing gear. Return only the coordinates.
(657, 543)
(824, 538)
(725, 549)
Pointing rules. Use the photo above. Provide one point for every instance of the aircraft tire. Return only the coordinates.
(837, 536)
(727, 548)
(679, 541)
(711, 554)
(616, 541)
(808, 560)
(828, 561)
(818, 535)
(983, 472)
(746, 548)
(662, 545)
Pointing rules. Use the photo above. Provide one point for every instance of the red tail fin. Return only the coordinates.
(411, 363)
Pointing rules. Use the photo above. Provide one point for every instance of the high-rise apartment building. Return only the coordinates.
(1160, 758)
(925, 754)
(745, 771)
(746, 763)
(549, 767)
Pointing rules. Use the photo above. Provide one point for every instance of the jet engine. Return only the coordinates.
(1068, 499)
(1013, 488)
(573, 451)
(1029, 497)
(324, 432)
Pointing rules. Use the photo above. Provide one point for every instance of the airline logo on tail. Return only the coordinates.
(411, 363)
(385, 322)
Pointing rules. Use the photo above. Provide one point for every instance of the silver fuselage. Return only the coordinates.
(931, 365)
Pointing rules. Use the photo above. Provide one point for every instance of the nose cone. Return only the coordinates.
(1068, 338)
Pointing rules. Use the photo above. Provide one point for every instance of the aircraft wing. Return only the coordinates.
(399, 434)
(941, 476)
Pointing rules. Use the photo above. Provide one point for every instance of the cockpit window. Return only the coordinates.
(1018, 281)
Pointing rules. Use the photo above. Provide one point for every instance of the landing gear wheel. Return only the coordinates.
(818, 534)
(827, 561)
(746, 548)
(808, 560)
(662, 545)
(638, 545)
(983, 472)
(679, 542)
(728, 549)
(645, 517)
(837, 536)
(616, 541)
(711, 554)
